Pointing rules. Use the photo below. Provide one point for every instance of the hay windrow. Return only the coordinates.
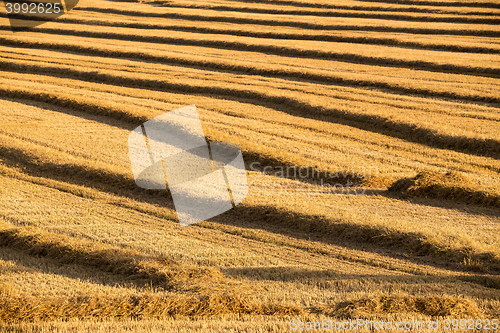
(415, 243)
(290, 23)
(283, 35)
(160, 272)
(149, 306)
(339, 12)
(367, 90)
(434, 306)
(449, 186)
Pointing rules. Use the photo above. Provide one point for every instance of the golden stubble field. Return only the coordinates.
(398, 99)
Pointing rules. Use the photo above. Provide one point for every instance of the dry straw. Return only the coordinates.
(235, 31)
(450, 186)
(160, 272)
(427, 305)
(149, 306)
(204, 17)
(374, 123)
(205, 291)
(340, 12)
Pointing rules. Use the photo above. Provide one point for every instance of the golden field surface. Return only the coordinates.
(389, 110)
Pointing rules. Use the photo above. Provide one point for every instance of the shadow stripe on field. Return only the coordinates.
(363, 15)
(408, 9)
(373, 123)
(475, 4)
(268, 216)
(306, 25)
(285, 36)
(282, 51)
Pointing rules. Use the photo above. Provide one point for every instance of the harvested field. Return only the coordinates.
(387, 114)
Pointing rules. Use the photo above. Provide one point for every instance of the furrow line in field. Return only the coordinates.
(372, 123)
(363, 15)
(264, 48)
(306, 25)
(286, 36)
